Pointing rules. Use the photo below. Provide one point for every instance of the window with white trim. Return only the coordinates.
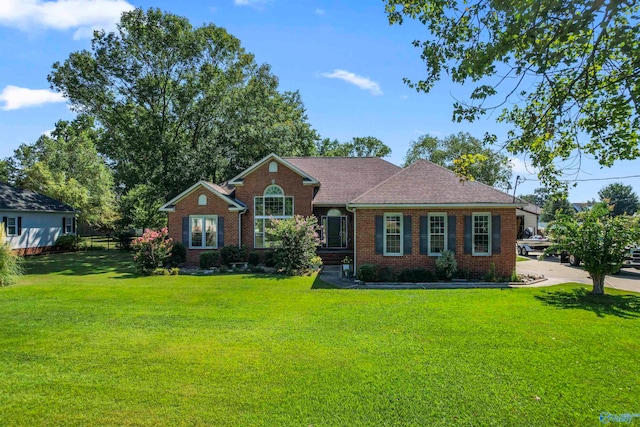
(273, 167)
(481, 224)
(437, 234)
(273, 204)
(202, 200)
(393, 234)
(68, 226)
(12, 226)
(203, 231)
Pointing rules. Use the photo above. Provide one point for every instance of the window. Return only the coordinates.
(68, 226)
(273, 167)
(437, 234)
(393, 234)
(481, 234)
(272, 205)
(12, 226)
(203, 231)
(202, 200)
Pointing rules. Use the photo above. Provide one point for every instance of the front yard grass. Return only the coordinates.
(85, 342)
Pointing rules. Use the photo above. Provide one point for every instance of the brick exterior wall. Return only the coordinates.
(189, 206)
(261, 178)
(505, 262)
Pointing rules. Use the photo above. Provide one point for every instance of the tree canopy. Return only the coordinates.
(488, 167)
(621, 198)
(538, 198)
(178, 103)
(554, 208)
(564, 75)
(367, 146)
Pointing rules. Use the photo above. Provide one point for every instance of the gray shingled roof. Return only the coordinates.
(12, 198)
(344, 178)
(424, 182)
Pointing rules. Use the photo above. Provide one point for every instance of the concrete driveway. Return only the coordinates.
(628, 278)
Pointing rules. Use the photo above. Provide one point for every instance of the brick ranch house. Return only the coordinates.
(370, 210)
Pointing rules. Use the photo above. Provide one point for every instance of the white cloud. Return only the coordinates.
(519, 166)
(82, 15)
(362, 82)
(320, 12)
(19, 97)
(255, 3)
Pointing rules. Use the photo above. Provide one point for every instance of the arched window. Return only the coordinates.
(334, 212)
(273, 204)
(273, 167)
(202, 200)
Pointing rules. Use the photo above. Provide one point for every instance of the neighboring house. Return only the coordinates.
(527, 218)
(33, 221)
(370, 210)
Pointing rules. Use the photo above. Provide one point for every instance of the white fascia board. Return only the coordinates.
(237, 180)
(168, 207)
(431, 205)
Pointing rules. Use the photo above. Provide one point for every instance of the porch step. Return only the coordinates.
(334, 257)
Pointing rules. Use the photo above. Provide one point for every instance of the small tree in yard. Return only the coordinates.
(295, 244)
(600, 240)
(152, 250)
(10, 268)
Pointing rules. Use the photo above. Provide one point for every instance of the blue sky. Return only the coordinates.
(343, 57)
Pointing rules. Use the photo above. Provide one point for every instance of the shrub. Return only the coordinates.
(367, 273)
(295, 241)
(231, 253)
(152, 250)
(69, 242)
(160, 272)
(491, 274)
(178, 254)
(10, 263)
(385, 274)
(209, 260)
(269, 259)
(124, 239)
(416, 275)
(446, 265)
(254, 259)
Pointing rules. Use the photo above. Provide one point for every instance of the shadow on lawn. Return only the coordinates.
(82, 263)
(625, 306)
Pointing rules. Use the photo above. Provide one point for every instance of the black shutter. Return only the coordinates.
(379, 235)
(407, 235)
(73, 224)
(185, 231)
(423, 234)
(451, 233)
(64, 225)
(220, 232)
(19, 225)
(468, 234)
(495, 234)
(4, 221)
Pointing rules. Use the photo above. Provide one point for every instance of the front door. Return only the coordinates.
(335, 231)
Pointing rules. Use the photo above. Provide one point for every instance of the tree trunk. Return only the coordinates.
(598, 284)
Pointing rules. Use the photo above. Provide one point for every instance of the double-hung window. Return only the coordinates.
(392, 234)
(203, 232)
(273, 204)
(481, 234)
(12, 226)
(437, 233)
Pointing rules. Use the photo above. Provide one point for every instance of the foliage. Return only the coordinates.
(124, 238)
(178, 103)
(178, 254)
(367, 272)
(10, 262)
(553, 208)
(210, 259)
(621, 198)
(152, 250)
(69, 242)
(386, 274)
(598, 239)
(446, 265)
(538, 198)
(416, 275)
(487, 166)
(490, 276)
(139, 208)
(269, 259)
(254, 259)
(295, 242)
(565, 74)
(367, 146)
(67, 167)
(232, 253)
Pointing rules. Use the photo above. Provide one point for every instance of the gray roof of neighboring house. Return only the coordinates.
(424, 182)
(344, 178)
(531, 208)
(17, 199)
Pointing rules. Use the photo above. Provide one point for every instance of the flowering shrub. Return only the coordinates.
(295, 241)
(152, 250)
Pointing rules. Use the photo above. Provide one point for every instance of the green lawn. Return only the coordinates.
(85, 342)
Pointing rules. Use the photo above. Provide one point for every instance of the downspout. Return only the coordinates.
(355, 233)
(240, 226)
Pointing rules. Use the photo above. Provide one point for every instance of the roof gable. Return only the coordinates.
(222, 192)
(18, 199)
(306, 178)
(426, 183)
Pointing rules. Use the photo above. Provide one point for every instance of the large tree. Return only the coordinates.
(67, 167)
(554, 208)
(489, 166)
(620, 197)
(564, 75)
(539, 197)
(596, 238)
(367, 146)
(178, 103)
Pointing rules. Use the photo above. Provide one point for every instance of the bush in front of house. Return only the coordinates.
(446, 265)
(386, 274)
(416, 275)
(367, 272)
(231, 253)
(151, 250)
(68, 242)
(10, 262)
(254, 259)
(178, 254)
(209, 260)
(269, 259)
(295, 241)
